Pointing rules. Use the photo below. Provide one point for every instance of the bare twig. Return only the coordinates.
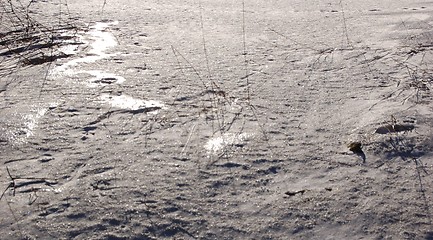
(345, 24)
(245, 51)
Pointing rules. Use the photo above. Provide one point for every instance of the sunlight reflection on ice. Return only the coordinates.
(101, 40)
(217, 144)
(127, 102)
(31, 120)
(29, 123)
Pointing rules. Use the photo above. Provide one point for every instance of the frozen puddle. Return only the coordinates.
(218, 144)
(130, 103)
(99, 40)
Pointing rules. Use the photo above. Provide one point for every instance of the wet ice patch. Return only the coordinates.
(102, 39)
(218, 144)
(130, 103)
(99, 40)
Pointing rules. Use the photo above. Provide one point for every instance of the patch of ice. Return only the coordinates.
(100, 41)
(69, 49)
(32, 120)
(217, 144)
(28, 125)
(127, 102)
